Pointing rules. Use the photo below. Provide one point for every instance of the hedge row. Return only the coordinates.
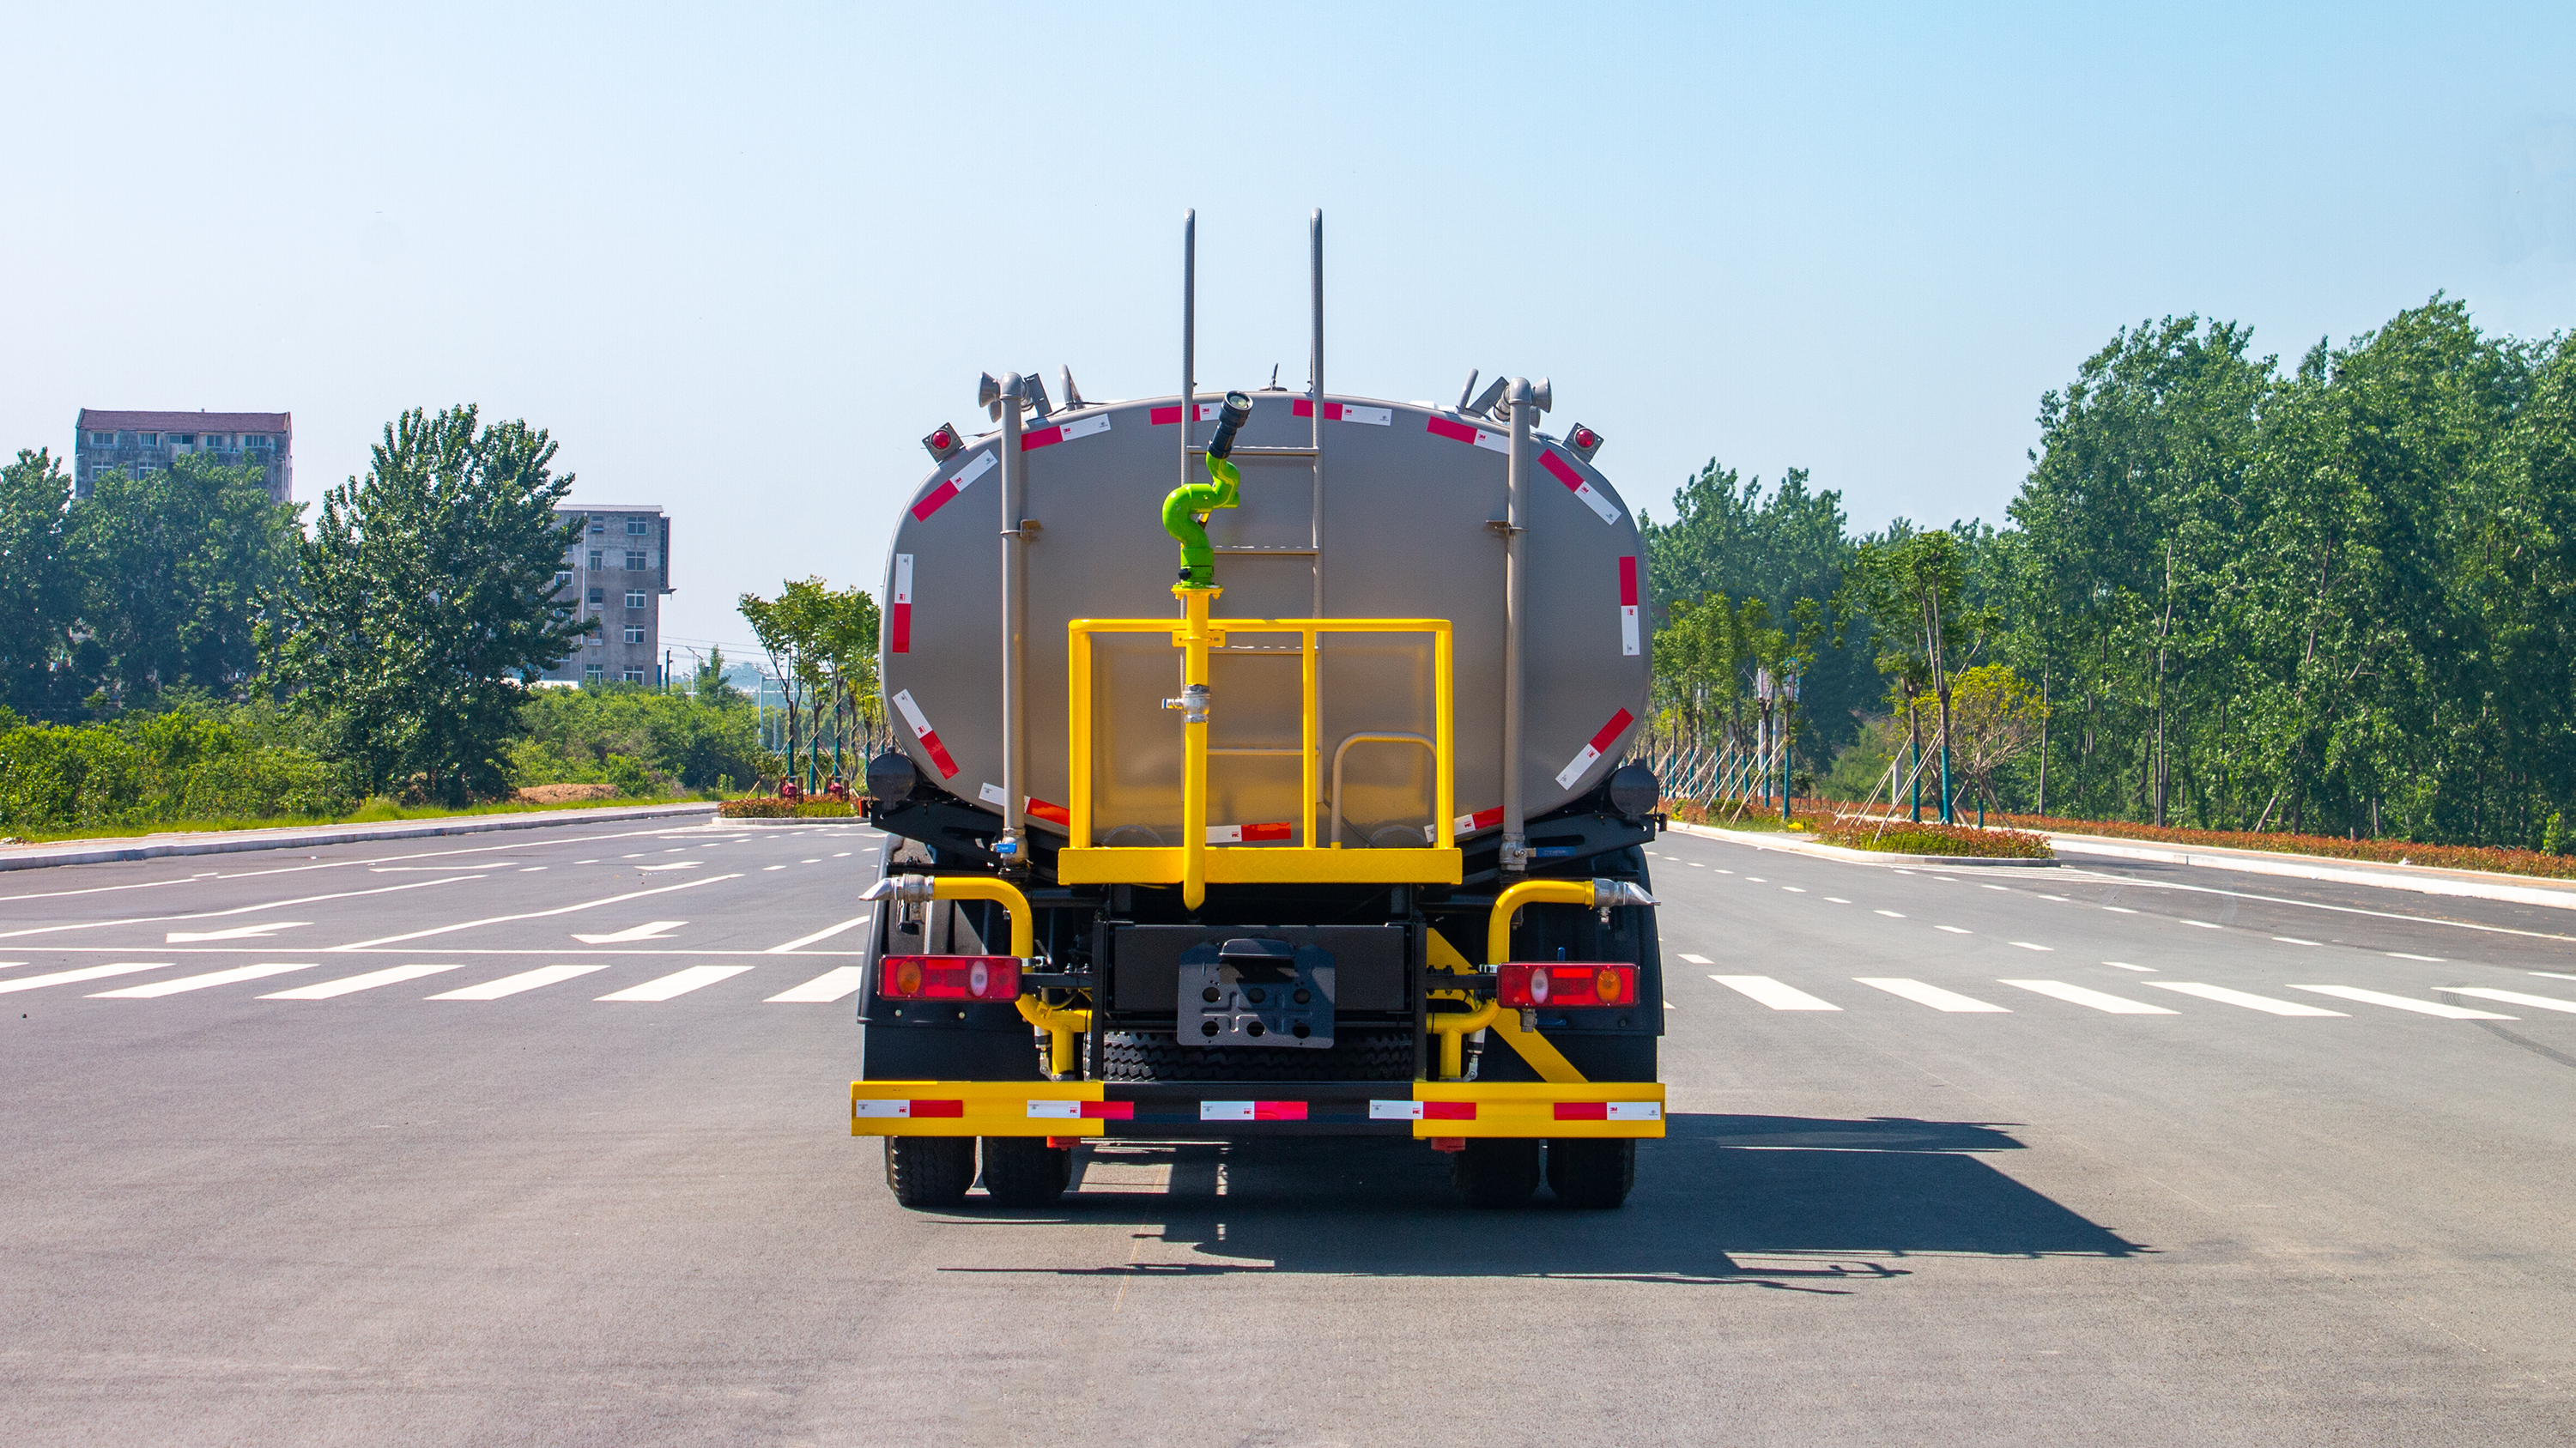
(165, 768)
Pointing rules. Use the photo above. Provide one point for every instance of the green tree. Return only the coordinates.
(428, 600)
(39, 587)
(1912, 587)
(178, 566)
(710, 685)
(822, 643)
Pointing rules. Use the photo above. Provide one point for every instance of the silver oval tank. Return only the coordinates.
(1408, 525)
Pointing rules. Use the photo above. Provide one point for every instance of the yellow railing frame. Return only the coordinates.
(1196, 862)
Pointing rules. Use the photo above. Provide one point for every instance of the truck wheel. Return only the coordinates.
(1023, 1171)
(1495, 1171)
(1357, 1054)
(1592, 1171)
(930, 1171)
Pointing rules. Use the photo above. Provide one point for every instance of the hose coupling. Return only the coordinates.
(1193, 704)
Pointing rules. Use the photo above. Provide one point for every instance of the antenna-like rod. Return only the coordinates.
(1315, 372)
(1189, 333)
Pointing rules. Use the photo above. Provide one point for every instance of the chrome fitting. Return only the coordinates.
(1193, 704)
(1607, 893)
(903, 889)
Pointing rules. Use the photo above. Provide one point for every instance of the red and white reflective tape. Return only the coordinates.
(906, 1110)
(1573, 480)
(1166, 416)
(1609, 1111)
(1345, 412)
(928, 736)
(1628, 606)
(1250, 834)
(1422, 1111)
(1468, 824)
(1038, 809)
(1500, 442)
(1082, 1111)
(899, 612)
(1252, 1111)
(1063, 432)
(1599, 746)
(955, 483)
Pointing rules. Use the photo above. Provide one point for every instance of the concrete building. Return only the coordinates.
(616, 573)
(138, 441)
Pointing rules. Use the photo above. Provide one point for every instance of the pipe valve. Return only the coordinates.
(1193, 704)
(903, 889)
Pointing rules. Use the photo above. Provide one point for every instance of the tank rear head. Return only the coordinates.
(892, 778)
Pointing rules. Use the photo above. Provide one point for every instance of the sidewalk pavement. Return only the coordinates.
(295, 837)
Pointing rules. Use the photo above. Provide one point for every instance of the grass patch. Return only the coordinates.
(1907, 838)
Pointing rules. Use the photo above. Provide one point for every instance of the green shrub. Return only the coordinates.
(782, 809)
(1903, 837)
(155, 769)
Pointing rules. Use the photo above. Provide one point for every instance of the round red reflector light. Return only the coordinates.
(1583, 437)
(978, 976)
(1538, 986)
(940, 438)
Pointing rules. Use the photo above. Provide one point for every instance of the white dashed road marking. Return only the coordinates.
(2098, 1000)
(199, 982)
(2026, 945)
(2427, 959)
(2403, 1003)
(1772, 993)
(1954, 930)
(2509, 997)
(86, 972)
(1698, 959)
(347, 984)
(2244, 998)
(837, 984)
(677, 983)
(1930, 995)
(510, 985)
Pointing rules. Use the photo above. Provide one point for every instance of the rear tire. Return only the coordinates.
(1023, 1171)
(930, 1172)
(1592, 1171)
(1359, 1053)
(1495, 1171)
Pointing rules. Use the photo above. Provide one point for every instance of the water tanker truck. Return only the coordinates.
(1259, 774)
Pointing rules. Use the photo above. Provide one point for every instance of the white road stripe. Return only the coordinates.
(837, 984)
(241, 909)
(2124, 965)
(86, 972)
(200, 982)
(1890, 914)
(2203, 924)
(2026, 945)
(538, 914)
(1773, 994)
(2246, 999)
(348, 984)
(2293, 940)
(1930, 995)
(1697, 959)
(2098, 1000)
(2427, 959)
(2509, 997)
(2403, 1003)
(1838, 900)
(1954, 930)
(826, 933)
(677, 983)
(509, 985)
(2119, 909)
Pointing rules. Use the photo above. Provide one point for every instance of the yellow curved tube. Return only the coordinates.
(1452, 1028)
(1060, 1024)
(1498, 929)
(1002, 892)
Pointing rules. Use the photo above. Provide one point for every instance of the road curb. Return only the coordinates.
(1791, 845)
(147, 847)
(2423, 879)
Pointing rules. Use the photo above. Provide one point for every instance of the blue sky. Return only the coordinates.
(739, 259)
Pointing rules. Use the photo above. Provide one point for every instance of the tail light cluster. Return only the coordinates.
(949, 977)
(1528, 985)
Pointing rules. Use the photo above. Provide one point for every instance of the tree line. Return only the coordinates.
(2329, 598)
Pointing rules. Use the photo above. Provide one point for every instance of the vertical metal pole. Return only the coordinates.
(1015, 734)
(1315, 641)
(1189, 334)
(1515, 850)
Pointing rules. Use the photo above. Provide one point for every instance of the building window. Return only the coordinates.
(592, 673)
(102, 439)
(595, 638)
(598, 526)
(151, 439)
(185, 439)
(634, 634)
(634, 676)
(637, 528)
(634, 598)
(594, 558)
(599, 598)
(634, 561)
(562, 577)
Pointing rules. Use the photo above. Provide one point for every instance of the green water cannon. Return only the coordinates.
(1185, 508)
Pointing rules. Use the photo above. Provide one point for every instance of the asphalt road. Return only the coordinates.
(2096, 1155)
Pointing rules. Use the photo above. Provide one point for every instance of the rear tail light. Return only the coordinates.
(949, 977)
(1565, 984)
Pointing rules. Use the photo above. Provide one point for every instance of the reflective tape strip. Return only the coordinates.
(1636, 1111)
(955, 483)
(1082, 1110)
(899, 617)
(896, 1109)
(1109, 1110)
(992, 794)
(1225, 1111)
(1055, 1111)
(1395, 1111)
(921, 1109)
(1422, 1111)
(1344, 412)
(1166, 416)
(1246, 834)
(1583, 1111)
(1628, 606)
(1599, 746)
(1468, 824)
(1574, 482)
(1063, 432)
(1278, 1110)
(1038, 809)
(1500, 442)
(922, 731)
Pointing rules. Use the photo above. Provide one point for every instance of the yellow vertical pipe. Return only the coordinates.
(1498, 929)
(1445, 756)
(1194, 670)
(1077, 717)
(1310, 764)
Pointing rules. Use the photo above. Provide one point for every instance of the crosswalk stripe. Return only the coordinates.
(2098, 1000)
(86, 972)
(1697, 959)
(392, 975)
(1773, 994)
(2403, 1003)
(838, 983)
(200, 982)
(2509, 997)
(508, 985)
(11, 964)
(2247, 999)
(1930, 995)
(677, 983)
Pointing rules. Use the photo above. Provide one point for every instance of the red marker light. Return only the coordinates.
(1565, 984)
(949, 977)
(941, 438)
(1584, 437)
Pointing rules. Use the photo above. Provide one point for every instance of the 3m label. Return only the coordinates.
(955, 483)
(899, 614)
(1055, 1111)
(1565, 473)
(1225, 1111)
(1593, 751)
(922, 731)
(1628, 606)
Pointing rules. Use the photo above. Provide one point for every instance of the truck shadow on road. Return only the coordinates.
(1783, 1201)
